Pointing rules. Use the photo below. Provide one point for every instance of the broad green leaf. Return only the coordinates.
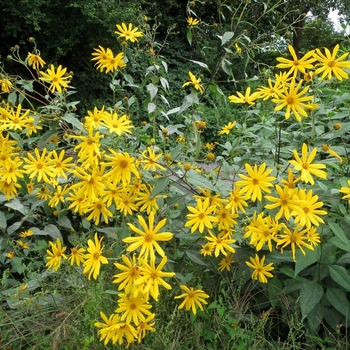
(53, 232)
(189, 36)
(202, 64)
(3, 221)
(151, 107)
(152, 89)
(274, 288)
(14, 227)
(340, 240)
(196, 257)
(310, 295)
(340, 275)
(338, 300)
(226, 66)
(160, 185)
(64, 222)
(226, 37)
(303, 261)
(12, 98)
(15, 204)
(72, 119)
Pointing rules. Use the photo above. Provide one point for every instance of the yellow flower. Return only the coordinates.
(207, 249)
(77, 256)
(192, 21)
(227, 128)
(296, 64)
(295, 238)
(133, 308)
(35, 60)
(226, 262)
(101, 57)
(266, 92)
(331, 65)
(326, 148)
(148, 238)
(257, 181)
(200, 216)
(115, 124)
(238, 48)
(151, 160)
(222, 242)
(195, 82)
(56, 78)
(6, 85)
(260, 271)
(248, 98)
(193, 298)
(304, 165)
(307, 209)
(10, 170)
(55, 256)
(293, 100)
(237, 200)
(128, 32)
(94, 258)
(346, 191)
(27, 233)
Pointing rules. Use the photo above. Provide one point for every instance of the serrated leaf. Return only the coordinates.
(310, 295)
(303, 261)
(202, 64)
(338, 300)
(72, 119)
(160, 185)
(340, 275)
(226, 37)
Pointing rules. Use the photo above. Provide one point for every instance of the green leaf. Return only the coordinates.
(160, 185)
(189, 36)
(64, 222)
(340, 275)
(196, 257)
(310, 295)
(274, 288)
(303, 261)
(226, 66)
(14, 227)
(226, 37)
(53, 231)
(12, 98)
(3, 221)
(72, 119)
(152, 89)
(202, 64)
(151, 107)
(15, 204)
(340, 240)
(338, 300)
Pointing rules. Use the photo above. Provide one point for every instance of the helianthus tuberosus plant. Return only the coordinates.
(157, 220)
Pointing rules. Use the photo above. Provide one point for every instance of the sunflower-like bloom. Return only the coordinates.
(55, 256)
(260, 271)
(101, 57)
(115, 124)
(297, 238)
(333, 153)
(148, 238)
(94, 258)
(35, 60)
(293, 100)
(77, 256)
(305, 166)
(151, 160)
(128, 32)
(346, 191)
(296, 64)
(193, 298)
(58, 79)
(330, 65)
(5, 85)
(226, 262)
(257, 181)
(201, 216)
(307, 209)
(11, 171)
(226, 129)
(222, 242)
(266, 92)
(237, 200)
(192, 22)
(247, 98)
(195, 82)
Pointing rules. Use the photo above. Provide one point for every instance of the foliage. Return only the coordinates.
(222, 227)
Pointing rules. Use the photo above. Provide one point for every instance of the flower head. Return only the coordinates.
(55, 255)
(260, 271)
(128, 32)
(247, 98)
(226, 129)
(192, 22)
(58, 79)
(196, 82)
(35, 60)
(192, 298)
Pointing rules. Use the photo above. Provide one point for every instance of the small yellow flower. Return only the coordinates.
(195, 82)
(128, 32)
(193, 298)
(192, 22)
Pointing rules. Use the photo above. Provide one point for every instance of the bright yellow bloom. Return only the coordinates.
(222, 242)
(101, 56)
(27, 233)
(126, 202)
(119, 125)
(195, 82)
(260, 271)
(55, 256)
(293, 100)
(6, 85)
(271, 91)
(10, 170)
(193, 298)
(333, 153)
(152, 277)
(192, 22)
(35, 60)
(146, 201)
(151, 160)
(307, 209)
(227, 128)
(98, 209)
(225, 218)
(40, 166)
(346, 191)
(148, 238)
(77, 256)
(14, 119)
(257, 181)
(237, 200)
(145, 326)
(330, 65)
(9, 189)
(213, 199)
(296, 64)
(94, 258)
(58, 196)
(133, 308)
(200, 216)
(114, 63)
(248, 98)
(295, 238)
(226, 262)
(58, 79)
(304, 165)
(207, 249)
(61, 163)
(128, 32)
